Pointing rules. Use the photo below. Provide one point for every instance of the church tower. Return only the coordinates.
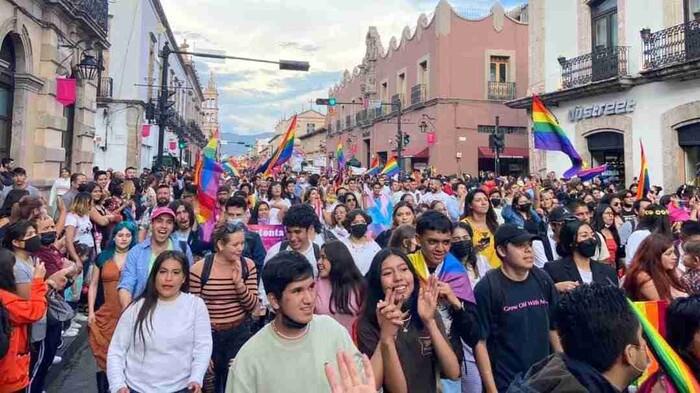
(210, 108)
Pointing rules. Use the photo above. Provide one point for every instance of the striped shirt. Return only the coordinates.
(225, 304)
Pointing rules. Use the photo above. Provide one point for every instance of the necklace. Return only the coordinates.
(301, 335)
(405, 323)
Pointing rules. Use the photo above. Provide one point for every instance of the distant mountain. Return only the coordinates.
(234, 149)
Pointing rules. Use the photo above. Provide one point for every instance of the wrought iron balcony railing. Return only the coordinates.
(674, 45)
(397, 100)
(95, 10)
(501, 91)
(105, 87)
(417, 94)
(601, 64)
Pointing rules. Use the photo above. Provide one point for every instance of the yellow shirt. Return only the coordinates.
(489, 252)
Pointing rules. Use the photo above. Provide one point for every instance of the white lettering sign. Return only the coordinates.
(605, 109)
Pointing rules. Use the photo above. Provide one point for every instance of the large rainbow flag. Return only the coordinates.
(391, 167)
(284, 151)
(643, 186)
(374, 167)
(340, 155)
(550, 136)
(206, 175)
(652, 316)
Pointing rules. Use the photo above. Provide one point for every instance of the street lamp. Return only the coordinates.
(423, 126)
(89, 67)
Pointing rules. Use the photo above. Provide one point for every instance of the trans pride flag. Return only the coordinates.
(549, 136)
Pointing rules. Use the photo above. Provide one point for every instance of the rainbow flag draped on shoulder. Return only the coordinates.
(206, 175)
(550, 136)
(283, 152)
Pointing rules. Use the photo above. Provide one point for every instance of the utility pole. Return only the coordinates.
(399, 135)
(497, 152)
(162, 100)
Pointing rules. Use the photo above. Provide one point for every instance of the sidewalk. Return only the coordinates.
(71, 346)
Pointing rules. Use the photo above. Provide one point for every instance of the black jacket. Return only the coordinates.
(565, 270)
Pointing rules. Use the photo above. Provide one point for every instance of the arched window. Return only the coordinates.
(7, 91)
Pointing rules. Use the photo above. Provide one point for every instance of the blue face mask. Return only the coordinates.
(234, 221)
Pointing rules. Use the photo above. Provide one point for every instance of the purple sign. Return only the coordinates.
(270, 234)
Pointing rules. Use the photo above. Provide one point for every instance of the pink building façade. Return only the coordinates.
(452, 76)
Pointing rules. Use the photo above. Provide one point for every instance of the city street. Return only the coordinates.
(76, 374)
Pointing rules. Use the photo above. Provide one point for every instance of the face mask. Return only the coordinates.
(646, 364)
(591, 206)
(587, 248)
(162, 202)
(48, 238)
(461, 249)
(358, 230)
(495, 202)
(234, 221)
(525, 208)
(290, 323)
(32, 244)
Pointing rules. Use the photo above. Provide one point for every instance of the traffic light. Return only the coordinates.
(499, 141)
(183, 144)
(326, 101)
(406, 139)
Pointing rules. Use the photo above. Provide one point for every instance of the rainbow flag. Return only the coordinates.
(589, 174)
(284, 151)
(549, 136)
(390, 168)
(375, 167)
(206, 177)
(339, 155)
(230, 167)
(652, 316)
(643, 186)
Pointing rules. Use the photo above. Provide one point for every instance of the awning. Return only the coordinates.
(508, 152)
(416, 152)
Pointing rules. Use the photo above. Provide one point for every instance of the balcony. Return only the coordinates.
(94, 12)
(599, 65)
(417, 94)
(105, 87)
(675, 45)
(348, 121)
(397, 101)
(501, 91)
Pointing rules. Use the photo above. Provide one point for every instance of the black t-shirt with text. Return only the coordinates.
(515, 319)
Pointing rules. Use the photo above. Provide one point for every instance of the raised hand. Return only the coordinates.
(428, 300)
(445, 293)
(350, 379)
(389, 316)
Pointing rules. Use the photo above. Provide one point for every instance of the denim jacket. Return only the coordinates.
(136, 269)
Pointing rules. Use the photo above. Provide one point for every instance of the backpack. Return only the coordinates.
(206, 270)
(5, 331)
(317, 249)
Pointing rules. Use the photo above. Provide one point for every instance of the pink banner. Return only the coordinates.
(431, 138)
(145, 130)
(270, 234)
(66, 91)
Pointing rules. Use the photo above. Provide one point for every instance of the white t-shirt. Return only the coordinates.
(83, 228)
(274, 250)
(274, 211)
(586, 276)
(633, 243)
(362, 254)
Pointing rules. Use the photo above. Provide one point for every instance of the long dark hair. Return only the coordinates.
(255, 213)
(471, 258)
(682, 324)
(375, 292)
(398, 206)
(491, 218)
(345, 279)
(648, 260)
(568, 236)
(598, 223)
(16, 231)
(655, 220)
(150, 295)
(7, 272)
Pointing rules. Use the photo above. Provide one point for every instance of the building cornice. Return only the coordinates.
(321, 130)
(29, 82)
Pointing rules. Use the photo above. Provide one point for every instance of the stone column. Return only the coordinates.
(24, 111)
(84, 127)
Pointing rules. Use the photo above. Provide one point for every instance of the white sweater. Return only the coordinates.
(177, 351)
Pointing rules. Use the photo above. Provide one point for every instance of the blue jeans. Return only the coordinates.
(227, 343)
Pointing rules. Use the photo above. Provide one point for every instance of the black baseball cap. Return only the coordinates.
(561, 214)
(509, 233)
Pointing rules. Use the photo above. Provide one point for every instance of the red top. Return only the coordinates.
(14, 366)
(611, 244)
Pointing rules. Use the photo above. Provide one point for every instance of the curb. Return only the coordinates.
(71, 345)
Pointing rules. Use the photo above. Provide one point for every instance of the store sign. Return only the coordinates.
(611, 108)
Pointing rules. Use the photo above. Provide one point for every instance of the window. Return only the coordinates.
(310, 127)
(401, 85)
(692, 10)
(604, 24)
(499, 69)
(423, 72)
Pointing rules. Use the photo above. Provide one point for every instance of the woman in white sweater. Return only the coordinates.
(163, 339)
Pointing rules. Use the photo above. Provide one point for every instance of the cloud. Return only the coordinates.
(329, 35)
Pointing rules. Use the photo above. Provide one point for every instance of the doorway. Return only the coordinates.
(608, 147)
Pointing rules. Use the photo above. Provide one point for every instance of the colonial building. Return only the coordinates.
(617, 72)
(43, 41)
(210, 107)
(451, 75)
(126, 121)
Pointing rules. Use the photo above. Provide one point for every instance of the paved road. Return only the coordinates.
(77, 374)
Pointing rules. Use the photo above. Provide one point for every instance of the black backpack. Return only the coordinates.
(5, 331)
(206, 271)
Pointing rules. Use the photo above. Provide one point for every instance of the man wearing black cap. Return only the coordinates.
(515, 305)
(545, 249)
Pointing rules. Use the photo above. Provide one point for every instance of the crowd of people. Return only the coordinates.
(420, 283)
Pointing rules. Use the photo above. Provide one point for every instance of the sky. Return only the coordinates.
(330, 35)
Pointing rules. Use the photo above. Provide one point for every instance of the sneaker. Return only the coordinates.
(70, 333)
(74, 325)
(80, 317)
(56, 360)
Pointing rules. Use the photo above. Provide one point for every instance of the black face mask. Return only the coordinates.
(358, 230)
(495, 202)
(32, 244)
(290, 323)
(48, 238)
(525, 208)
(461, 249)
(587, 248)
(591, 206)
